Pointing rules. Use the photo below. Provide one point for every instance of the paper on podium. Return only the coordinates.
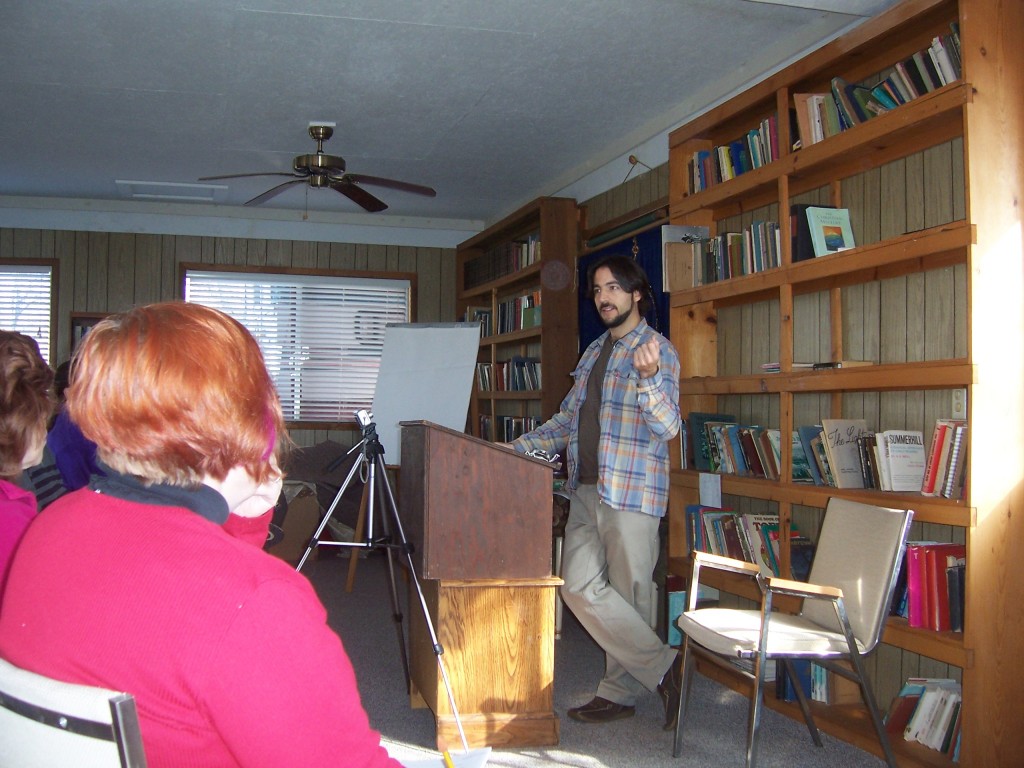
(474, 758)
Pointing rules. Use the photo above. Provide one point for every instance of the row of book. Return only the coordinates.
(817, 116)
(928, 710)
(929, 590)
(751, 537)
(839, 453)
(944, 472)
(821, 115)
(482, 315)
(517, 374)
(519, 312)
(504, 259)
(816, 231)
(758, 147)
(818, 683)
(733, 254)
(505, 428)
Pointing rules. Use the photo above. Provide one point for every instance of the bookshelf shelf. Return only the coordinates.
(938, 374)
(927, 509)
(551, 228)
(933, 187)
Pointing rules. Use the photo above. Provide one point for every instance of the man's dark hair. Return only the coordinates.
(629, 274)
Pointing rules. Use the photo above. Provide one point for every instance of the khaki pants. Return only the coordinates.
(608, 561)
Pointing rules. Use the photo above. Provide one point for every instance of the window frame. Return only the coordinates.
(411, 277)
(54, 265)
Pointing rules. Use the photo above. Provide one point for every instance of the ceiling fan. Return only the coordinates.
(323, 170)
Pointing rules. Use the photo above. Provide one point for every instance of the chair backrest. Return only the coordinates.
(46, 723)
(860, 550)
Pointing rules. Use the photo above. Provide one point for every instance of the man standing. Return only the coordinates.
(614, 426)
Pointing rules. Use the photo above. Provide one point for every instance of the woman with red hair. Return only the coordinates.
(152, 579)
(25, 406)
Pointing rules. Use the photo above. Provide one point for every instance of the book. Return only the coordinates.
(841, 448)
(680, 254)
(906, 458)
(802, 472)
(953, 488)
(698, 434)
(802, 248)
(830, 229)
(936, 559)
(955, 585)
(807, 434)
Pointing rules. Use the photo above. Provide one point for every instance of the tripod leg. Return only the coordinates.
(360, 525)
(396, 610)
(315, 539)
(435, 643)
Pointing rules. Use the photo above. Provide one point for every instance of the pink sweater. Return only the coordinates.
(225, 648)
(17, 510)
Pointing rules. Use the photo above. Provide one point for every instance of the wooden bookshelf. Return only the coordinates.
(933, 295)
(553, 223)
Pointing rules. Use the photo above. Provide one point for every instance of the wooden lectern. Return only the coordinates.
(479, 519)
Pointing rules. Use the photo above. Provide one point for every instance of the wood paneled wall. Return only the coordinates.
(639, 190)
(111, 271)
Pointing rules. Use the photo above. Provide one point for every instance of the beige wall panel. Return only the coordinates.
(97, 272)
(121, 265)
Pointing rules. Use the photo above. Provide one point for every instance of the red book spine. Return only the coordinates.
(938, 589)
(916, 592)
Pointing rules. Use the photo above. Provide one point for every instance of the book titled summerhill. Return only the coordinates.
(830, 230)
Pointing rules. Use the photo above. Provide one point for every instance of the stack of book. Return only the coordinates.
(928, 710)
(929, 590)
(842, 453)
(502, 260)
(944, 473)
(758, 147)
(820, 115)
(751, 537)
(734, 254)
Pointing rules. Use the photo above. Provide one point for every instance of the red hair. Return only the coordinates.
(175, 392)
(25, 401)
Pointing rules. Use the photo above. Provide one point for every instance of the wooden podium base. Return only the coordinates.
(498, 637)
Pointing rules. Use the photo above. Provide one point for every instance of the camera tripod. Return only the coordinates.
(369, 464)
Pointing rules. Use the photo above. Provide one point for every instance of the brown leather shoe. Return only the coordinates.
(669, 688)
(599, 710)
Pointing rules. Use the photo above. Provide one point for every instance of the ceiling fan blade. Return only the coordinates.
(274, 191)
(358, 195)
(403, 186)
(247, 175)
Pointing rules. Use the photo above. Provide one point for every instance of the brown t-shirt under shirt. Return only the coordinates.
(590, 416)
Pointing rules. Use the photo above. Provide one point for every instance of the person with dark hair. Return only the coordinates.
(614, 427)
(25, 407)
(152, 579)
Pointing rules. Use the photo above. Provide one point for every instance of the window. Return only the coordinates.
(26, 303)
(322, 336)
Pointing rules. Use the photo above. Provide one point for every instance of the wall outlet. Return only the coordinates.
(959, 404)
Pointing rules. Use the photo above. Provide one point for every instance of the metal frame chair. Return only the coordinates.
(845, 604)
(45, 723)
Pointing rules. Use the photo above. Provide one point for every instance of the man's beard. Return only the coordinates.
(620, 318)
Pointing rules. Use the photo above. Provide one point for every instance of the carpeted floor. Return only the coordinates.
(714, 733)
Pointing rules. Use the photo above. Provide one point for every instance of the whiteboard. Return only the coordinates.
(426, 374)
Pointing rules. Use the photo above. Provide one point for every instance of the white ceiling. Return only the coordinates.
(491, 102)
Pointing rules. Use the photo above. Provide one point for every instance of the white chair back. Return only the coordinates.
(860, 550)
(46, 723)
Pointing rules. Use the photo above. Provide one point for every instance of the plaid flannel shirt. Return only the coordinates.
(638, 417)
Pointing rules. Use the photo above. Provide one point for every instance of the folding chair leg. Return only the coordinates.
(805, 708)
(756, 705)
(684, 697)
(876, 718)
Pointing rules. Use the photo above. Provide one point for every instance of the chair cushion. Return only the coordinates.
(735, 633)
